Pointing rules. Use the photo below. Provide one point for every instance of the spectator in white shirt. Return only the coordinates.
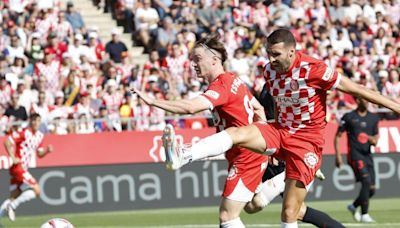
(341, 43)
(76, 49)
(146, 19)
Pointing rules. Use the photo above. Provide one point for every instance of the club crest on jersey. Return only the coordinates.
(232, 173)
(294, 85)
(213, 94)
(311, 159)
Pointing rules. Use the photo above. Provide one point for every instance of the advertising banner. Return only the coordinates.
(147, 186)
(145, 147)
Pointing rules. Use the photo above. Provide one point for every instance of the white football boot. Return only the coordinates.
(356, 214)
(176, 156)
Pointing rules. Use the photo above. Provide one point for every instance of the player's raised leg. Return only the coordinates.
(248, 137)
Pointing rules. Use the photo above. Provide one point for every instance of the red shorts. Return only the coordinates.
(244, 174)
(302, 152)
(20, 178)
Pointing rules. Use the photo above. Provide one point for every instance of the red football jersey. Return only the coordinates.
(300, 94)
(231, 107)
(26, 145)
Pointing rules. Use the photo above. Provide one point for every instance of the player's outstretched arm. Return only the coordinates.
(350, 87)
(191, 106)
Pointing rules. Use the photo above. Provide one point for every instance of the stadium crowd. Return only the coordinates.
(52, 64)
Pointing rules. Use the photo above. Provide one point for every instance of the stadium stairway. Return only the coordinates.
(94, 17)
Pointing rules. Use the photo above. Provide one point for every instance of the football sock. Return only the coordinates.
(272, 188)
(320, 219)
(289, 225)
(4, 207)
(211, 146)
(234, 223)
(24, 197)
(363, 198)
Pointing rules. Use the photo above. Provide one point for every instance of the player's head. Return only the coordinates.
(35, 121)
(362, 104)
(281, 49)
(208, 53)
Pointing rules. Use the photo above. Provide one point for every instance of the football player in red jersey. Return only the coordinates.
(299, 84)
(22, 145)
(232, 105)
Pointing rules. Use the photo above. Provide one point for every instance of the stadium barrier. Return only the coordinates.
(150, 186)
(146, 147)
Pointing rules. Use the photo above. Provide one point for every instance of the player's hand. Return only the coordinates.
(339, 162)
(148, 100)
(16, 161)
(50, 148)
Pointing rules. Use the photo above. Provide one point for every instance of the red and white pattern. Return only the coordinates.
(52, 73)
(5, 95)
(63, 30)
(112, 102)
(26, 143)
(300, 94)
(176, 66)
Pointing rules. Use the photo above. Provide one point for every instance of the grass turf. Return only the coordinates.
(385, 211)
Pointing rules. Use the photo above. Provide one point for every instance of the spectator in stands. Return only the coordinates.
(63, 29)
(115, 47)
(279, 13)
(49, 68)
(14, 49)
(166, 35)
(41, 108)
(146, 19)
(205, 17)
(75, 19)
(76, 49)
(103, 123)
(84, 125)
(15, 110)
(128, 8)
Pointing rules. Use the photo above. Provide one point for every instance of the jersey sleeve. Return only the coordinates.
(217, 93)
(343, 123)
(323, 77)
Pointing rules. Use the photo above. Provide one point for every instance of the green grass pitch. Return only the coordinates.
(385, 211)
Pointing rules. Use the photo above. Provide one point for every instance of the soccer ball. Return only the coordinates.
(57, 223)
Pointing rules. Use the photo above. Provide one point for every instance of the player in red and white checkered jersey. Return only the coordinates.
(232, 105)
(22, 146)
(299, 85)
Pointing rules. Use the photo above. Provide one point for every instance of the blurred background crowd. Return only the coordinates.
(52, 64)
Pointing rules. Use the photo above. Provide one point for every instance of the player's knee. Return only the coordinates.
(253, 207)
(372, 190)
(290, 214)
(224, 216)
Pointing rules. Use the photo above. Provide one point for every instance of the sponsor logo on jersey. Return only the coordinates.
(232, 173)
(328, 74)
(213, 94)
(294, 85)
(287, 100)
(311, 159)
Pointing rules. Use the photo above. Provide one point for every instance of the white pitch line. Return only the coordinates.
(273, 225)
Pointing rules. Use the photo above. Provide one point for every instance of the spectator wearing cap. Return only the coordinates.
(49, 68)
(15, 110)
(96, 51)
(115, 47)
(63, 28)
(75, 19)
(76, 49)
(384, 86)
(146, 22)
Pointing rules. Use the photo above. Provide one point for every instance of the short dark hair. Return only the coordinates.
(282, 36)
(34, 116)
(212, 42)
